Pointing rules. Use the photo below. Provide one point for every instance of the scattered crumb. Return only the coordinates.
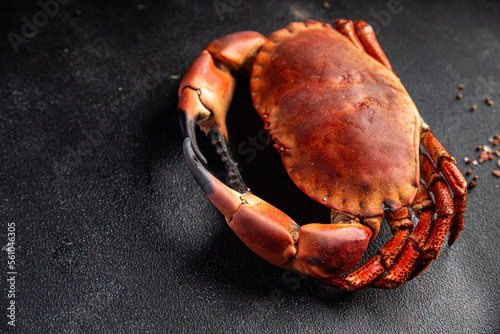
(485, 153)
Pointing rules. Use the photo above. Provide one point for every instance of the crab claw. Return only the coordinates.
(267, 231)
(320, 250)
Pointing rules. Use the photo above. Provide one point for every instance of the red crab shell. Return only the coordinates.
(346, 127)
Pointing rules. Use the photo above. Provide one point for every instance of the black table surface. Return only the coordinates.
(109, 232)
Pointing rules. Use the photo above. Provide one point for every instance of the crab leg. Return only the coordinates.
(400, 255)
(367, 37)
(428, 238)
(404, 267)
(446, 164)
(361, 34)
(444, 208)
(274, 240)
(346, 27)
(401, 227)
(320, 250)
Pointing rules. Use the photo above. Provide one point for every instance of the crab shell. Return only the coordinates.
(347, 130)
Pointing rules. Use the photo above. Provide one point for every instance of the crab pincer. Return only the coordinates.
(319, 250)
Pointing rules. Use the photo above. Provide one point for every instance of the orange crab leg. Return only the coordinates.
(346, 27)
(273, 239)
(320, 250)
(429, 236)
(425, 209)
(447, 165)
(445, 211)
(361, 34)
(385, 259)
(427, 242)
(399, 256)
(405, 266)
(376, 266)
(369, 40)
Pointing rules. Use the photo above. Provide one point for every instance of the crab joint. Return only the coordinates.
(266, 230)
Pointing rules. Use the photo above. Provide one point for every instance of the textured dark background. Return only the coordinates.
(114, 236)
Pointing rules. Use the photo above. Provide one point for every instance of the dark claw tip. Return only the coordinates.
(196, 168)
(188, 127)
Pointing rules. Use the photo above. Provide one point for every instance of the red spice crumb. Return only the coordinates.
(496, 173)
(483, 155)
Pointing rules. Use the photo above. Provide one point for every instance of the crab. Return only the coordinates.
(350, 137)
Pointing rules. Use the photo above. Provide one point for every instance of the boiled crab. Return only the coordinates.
(349, 137)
